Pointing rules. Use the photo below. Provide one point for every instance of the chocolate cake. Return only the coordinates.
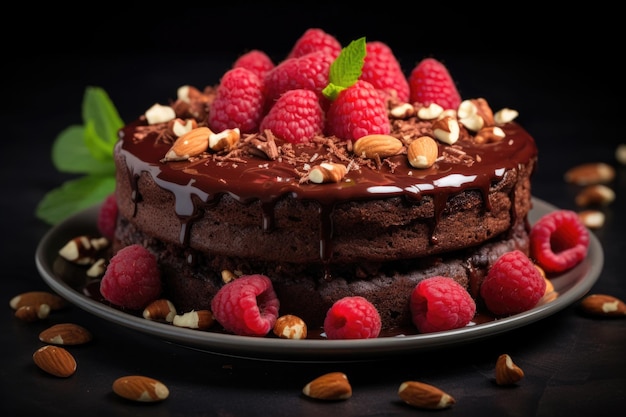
(253, 208)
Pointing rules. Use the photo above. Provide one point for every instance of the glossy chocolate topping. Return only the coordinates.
(251, 176)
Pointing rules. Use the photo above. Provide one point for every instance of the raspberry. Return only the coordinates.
(512, 285)
(256, 61)
(559, 241)
(352, 318)
(440, 303)
(430, 82)
(132, 278)
(383, 71)
(107, 217)
(238, 102)
(358, 111)
(313, 40)
(295, 117)
(309, 72)
(246, 306)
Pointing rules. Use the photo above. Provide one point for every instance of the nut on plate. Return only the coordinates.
(603, 305)
(590, 173)
(55, 360)
(422, 395)
(140, 388)
(290, 327)
(331, 386)
(507, 372)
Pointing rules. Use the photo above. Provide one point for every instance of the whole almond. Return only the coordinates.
(377, 146)
(421, 395)
(65, 334)
(192, 143)
(603, 305)
(55, 360)
(140, 388)
(590, 173)
(423, 152)
(32, 313)
(35, 298)
(330, 386)
(507, 372)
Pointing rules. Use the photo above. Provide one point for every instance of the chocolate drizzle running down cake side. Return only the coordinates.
(253, 207)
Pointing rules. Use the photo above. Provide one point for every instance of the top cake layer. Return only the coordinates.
(255, 200)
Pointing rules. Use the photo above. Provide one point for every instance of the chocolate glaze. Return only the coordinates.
(201, 182)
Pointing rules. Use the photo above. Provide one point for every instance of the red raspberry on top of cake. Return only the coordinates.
(315, 39)
(383, 71)
(430, 82)
(256, 61)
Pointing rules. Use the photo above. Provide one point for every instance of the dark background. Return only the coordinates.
(559, 68)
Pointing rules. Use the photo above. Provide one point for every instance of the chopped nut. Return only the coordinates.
(160, 309)
(597, 194)
(31, 313)
(226, 139)
(327, 172)
(290, 327)
(446, 130)
(159, 114)
(593, 219)
(489, 134)
(430, 112)
(507, 372)
(402, 111)
(505, 115)
(97, 268)
(195, 319)
(82, 250)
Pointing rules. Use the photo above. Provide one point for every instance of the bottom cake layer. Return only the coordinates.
(308, 291)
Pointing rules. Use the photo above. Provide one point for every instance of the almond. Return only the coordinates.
(330, 386)
(423, 152)
(35, 298)
(140, 388)
(603, 305)
(590, 173)
(446, 129)
(421, 395)
(160, 309)
(377, 146)
(192, 143)
(327, 172)
(66, 334)
(507, 372)
(33, 313)
(55, 360)
(290, 327)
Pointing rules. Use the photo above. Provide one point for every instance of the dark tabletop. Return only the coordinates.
(574, 365)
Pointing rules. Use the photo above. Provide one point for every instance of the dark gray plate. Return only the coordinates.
(571, 286)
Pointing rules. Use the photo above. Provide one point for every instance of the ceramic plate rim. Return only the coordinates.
(575, 283)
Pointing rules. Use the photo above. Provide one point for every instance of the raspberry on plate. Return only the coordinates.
(107, 217)
(559, 241)
(440, 303)
(512, 285)
(352, 317)
(132, 278)
(246, 306)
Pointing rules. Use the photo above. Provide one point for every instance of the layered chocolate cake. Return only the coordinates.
(442, 191)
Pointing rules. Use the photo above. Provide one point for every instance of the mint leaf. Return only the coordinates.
(98, 107)
(74, 196)
(69, 154)
(346, 69)
(86, 149)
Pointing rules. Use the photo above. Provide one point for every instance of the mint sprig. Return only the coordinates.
(346, 69)
(88, 150)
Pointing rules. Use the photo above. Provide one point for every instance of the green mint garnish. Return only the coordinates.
(346, 69)
(88, 150)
